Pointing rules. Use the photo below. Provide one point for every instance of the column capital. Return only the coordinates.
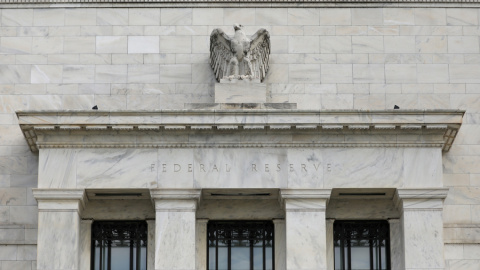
(177, 200)
(420, 199)
(202, 220)
(60, 200)
(278, 221)
(304, 199)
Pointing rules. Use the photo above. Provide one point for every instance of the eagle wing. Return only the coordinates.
(220, 52)
(260, 53)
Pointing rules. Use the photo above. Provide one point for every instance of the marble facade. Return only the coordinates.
(201, 179)
(320, 125)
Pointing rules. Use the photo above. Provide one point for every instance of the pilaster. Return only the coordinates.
(397, 258)
(85, 244)
(175, 228)
(58, 245)
(151, 245)
(330, 244)
(201, 242)
(280, 244)
(306, 233)
(422, 227)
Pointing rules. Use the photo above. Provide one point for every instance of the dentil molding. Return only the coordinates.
(240, 128)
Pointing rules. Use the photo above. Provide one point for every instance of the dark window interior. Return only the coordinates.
(362, 245)
(119, 245)
(240, 245)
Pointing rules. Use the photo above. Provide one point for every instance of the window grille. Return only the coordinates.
(240, 245)
(362, 245)
(119, 245)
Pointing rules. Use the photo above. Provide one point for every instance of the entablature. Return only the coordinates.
(240, 128)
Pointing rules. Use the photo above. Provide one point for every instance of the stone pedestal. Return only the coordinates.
(58, 244)
(240, 91)
(306, 231)
(175, 228)
(422, 226)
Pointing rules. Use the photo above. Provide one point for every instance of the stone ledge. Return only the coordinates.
(234, 4)
(402, 128)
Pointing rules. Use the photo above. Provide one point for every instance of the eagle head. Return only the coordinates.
(237, 27)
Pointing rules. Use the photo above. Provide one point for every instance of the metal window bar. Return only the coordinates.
(224, 232)
(104, 233)
(377, 233)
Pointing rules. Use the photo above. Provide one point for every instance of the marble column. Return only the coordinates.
(305, 228)
(175, 228)
(422, 227)
(280, 244)
(58, 244)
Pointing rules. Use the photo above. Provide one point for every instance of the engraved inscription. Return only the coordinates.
(254, 167)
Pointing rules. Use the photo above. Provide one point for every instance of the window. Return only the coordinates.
(119, 245)
(362, 245)
(240, 245)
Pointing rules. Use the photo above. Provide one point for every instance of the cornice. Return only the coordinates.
(233, 4)
(56, 129)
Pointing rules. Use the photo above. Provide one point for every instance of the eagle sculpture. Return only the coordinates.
(239, 57)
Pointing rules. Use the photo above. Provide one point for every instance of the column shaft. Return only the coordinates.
(422, 227)
(58, 244)
(305, 228)
(175, 228)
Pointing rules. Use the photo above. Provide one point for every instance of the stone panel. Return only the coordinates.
(123, 168)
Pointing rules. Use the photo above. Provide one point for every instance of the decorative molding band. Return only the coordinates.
(238, 145)
(233, 4)
(422, 193)
(173, 128)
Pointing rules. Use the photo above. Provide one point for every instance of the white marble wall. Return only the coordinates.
(326, 58)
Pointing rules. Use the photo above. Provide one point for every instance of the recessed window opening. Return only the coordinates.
(119, 245)
(240, 245)
(362, 245)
